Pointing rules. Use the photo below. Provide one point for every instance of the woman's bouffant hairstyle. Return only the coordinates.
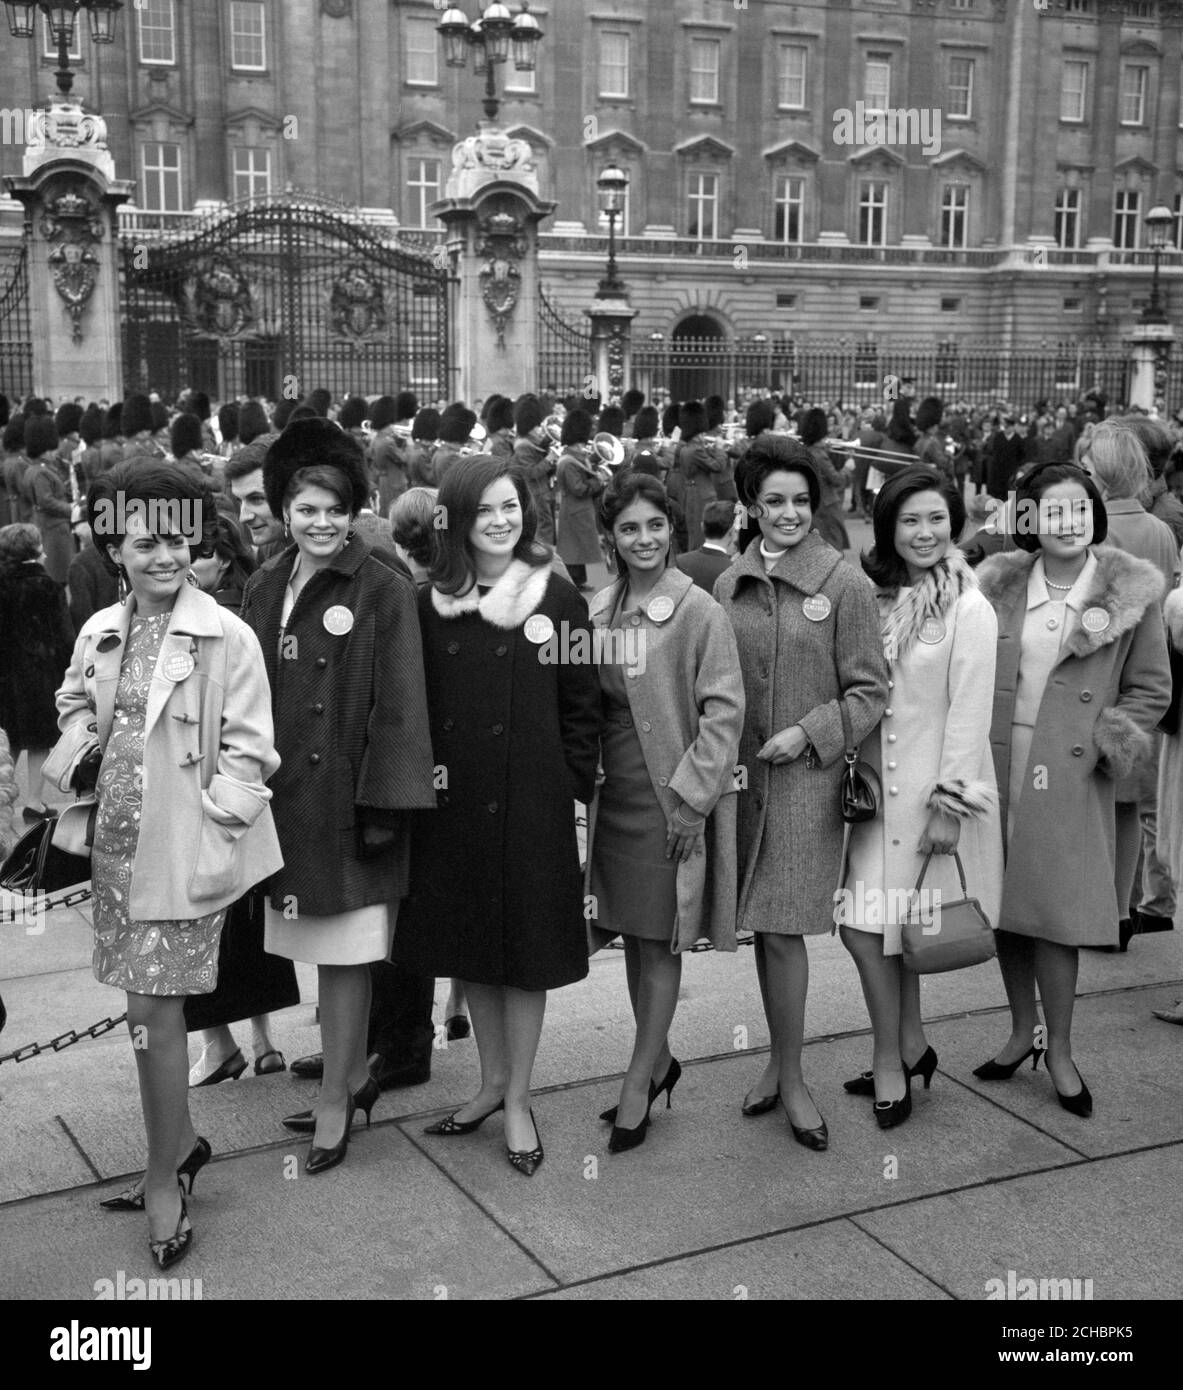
(131, 487)
(231, 550)
(18, 543)
(1032, 487)
(412, 520)
(1118, 459)
(883, 564)
(453, 569)
(316, 453)
(771, 453)
(626, 488)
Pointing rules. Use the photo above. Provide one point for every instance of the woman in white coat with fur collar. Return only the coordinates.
(932, 750)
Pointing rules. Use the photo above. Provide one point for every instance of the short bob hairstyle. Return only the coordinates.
(771, 453)
(1037, 482)
(1118, 459)
(453, 569)
(412, 520)
(138, 487)
(626, 488)
(884, 565)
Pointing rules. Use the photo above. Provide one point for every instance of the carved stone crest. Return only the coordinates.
(357, 307)
(493, 149)
(73, 226)
(503, 244)
(217, 301)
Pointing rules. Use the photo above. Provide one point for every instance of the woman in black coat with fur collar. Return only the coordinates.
(496, 898)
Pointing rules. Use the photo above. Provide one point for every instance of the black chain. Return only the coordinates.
(38, 903)
(63, 1040)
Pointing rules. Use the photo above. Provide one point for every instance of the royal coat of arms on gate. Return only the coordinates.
(357, 308)
(216, 301)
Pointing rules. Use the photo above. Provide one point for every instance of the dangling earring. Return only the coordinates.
(123, 588)
(287, 528)
(192, 579)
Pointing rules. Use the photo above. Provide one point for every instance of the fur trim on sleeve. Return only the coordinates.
(1121, 743)
(963, 800)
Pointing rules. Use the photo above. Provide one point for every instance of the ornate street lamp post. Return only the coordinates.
(613, 186)
(1159, 223)
(22, 24)
(492, 39)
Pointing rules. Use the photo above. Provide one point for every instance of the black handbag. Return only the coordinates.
(36, 865)
(861, 790)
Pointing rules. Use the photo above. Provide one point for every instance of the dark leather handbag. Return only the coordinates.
(861, 790)
(957, 934)
(37, 866)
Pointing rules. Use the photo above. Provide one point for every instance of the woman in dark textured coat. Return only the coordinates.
(828, 522)
(343, 655)
(37, 638)
(496, 898)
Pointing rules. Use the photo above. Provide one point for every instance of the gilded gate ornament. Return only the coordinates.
(73, 225)
(356, 305)
(500, 240)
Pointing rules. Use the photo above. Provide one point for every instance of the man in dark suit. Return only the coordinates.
(708, 562)
(1006, 458)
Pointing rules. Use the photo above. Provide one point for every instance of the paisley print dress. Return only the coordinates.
(142, 957)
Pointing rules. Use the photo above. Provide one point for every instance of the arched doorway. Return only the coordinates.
(698, 360)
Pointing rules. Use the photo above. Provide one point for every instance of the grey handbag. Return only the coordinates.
(959, 934)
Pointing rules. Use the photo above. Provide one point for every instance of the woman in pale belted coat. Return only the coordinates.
(932, 752)
(166, 705)
(661, 859)
(1082, 681)
(808, 634)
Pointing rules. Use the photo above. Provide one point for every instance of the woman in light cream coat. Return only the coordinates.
(932, 751)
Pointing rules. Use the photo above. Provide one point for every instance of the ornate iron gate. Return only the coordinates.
(564, 351)
(16, 336)
(279, 298)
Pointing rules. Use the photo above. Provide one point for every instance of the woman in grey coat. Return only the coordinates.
(807, 629)
(1082, 680)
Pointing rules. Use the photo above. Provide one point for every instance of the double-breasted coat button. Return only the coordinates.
(888, 712)
(321, 662)
(891, 738)
(449, 725)
(1085, 696)
(318, 709)
(501, 650)
(895, 791)
(492, 808)
(1053, 623)
(498, 728)
(891, 767)
(1077, 751)
(314, 758)
(453, 648)
(891, 685)
(663, 781)
(646, 726)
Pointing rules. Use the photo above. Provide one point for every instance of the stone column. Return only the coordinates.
(1150, 343)
(612, 346)
(71, 196)
(491, 212)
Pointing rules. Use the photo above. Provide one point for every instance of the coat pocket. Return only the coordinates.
(221, 853)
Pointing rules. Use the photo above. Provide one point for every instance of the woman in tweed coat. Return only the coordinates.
(344, 659)
(808, 635)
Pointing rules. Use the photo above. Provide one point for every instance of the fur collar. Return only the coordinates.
(937, 591)
(1123, 585)
(508, 603)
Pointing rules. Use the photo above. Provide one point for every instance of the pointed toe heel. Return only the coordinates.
(527, 1161)
(321, 1160)
(1081, 1104)
(1003, 1071)
(451, 1125)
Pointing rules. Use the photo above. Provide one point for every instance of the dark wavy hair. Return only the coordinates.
(111, 493)
(453, 569)
(771, 453)
(231, 550)
(883, 564)
(1037, 482)
(626, 488)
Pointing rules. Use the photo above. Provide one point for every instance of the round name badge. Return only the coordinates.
(661, 609)
(932, 631)
(539, 629)
(1094, 620)
(179, 667)
(338, 620)
(816, 608)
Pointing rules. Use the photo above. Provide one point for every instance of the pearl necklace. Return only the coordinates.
(1063, 588)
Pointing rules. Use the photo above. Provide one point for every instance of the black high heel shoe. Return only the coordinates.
(132, 1198)
(864, 1085)
(1080, 1104)
(169, 1252)
(527, 1161)
(760, 1106)
(816, 1139)
(1003, 1071)
(230, 1070)
(673, 1074)
(621, 1139)
(321, 1160)
(890, 1113)
(451, 1125)
(304, 1121)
